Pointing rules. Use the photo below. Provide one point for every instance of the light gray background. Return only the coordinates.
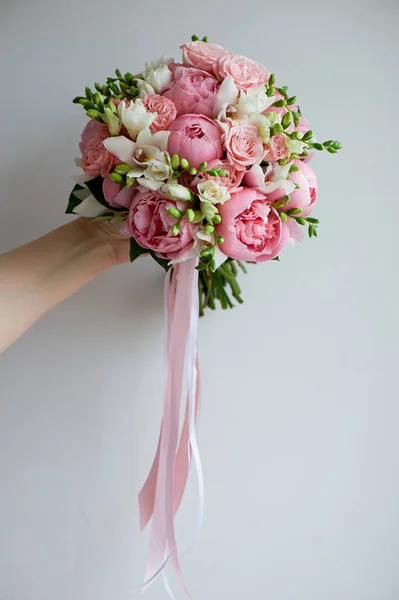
(299, 428)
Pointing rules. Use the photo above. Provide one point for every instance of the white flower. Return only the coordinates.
(157, 74)
(263, 124)
(254, 101)
(275, 177)
(88, 205)
(227, 95)
(147, 156)
(294, 146)
(144, 88)
(210, 191)
(177, 192)
(111, 119)
(209, 210)
(135, 117)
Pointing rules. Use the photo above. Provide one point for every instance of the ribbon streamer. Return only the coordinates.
(164, 488)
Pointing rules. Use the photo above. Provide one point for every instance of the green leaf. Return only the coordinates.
(277, 258)
(73, 201)
(136, 250)
(96, 188)
(161, 261)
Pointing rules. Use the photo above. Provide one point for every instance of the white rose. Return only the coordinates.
(254, 101)
(157, 74)
(210, 191)
(159, 169)
(144, 88)
(135, 117)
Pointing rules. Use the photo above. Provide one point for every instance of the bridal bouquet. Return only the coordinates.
(205, 163)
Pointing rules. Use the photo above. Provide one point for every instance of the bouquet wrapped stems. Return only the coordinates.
(219, 286)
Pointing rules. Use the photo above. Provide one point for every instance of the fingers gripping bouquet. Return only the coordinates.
(205, 163)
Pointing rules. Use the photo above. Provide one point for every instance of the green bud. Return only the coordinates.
(129, 78)
(130, 181)
(272, 79)
(116, 177)
(118, 74)
(310, 230)
(89, 94)
(294, 211)
(270, 92)
(87, 104)
(175, 162)
(209, 228)
(98, 99)
(122, 169)
(337, 145)
(212, 172)
(212, 265)
(279, 103)
(124, 86)
(195, 38)
(97, 86)
(222, 172)
(205, 39)
(219, 240)
(193, 171)
(300, 220)
(276, 129)
(105, 90)
(190, 215)
(184, 164)
(318, 146)
(296, 116)
(278, 205)
(291, 100)
(93, 113)
(307, 136)
(203, 166)
(286, 120)
(198, 218)
(293, 168)
(176, 229)
(283, 217)
(332, 150)
(113, 87)
(294, 156)
(207, 251)
(328, 143)
(217, 219)
(312, 220)
(297, 186)
(286, 199)
(296, 135)
(175, 213)
(283, 161)
(112, 107)
(133, 90)
(283, 92)
(78, 100)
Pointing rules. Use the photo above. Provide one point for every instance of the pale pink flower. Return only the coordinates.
(244, 146)
(195, 138)
(245, 72)
(165, 109)
(193, 91)
(96, 160)
(202, 55)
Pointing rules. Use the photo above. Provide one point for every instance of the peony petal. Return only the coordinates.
(227, 93)
(254, 177)
(121, 147)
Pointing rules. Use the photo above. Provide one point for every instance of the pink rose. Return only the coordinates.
(305, 196)
(195, 138)
(165, 109)
(116, 195)
(251, 228)
(96, 160)
(150, 225)
(202, 55)
(193, 91)
(232, 181)
(276, 148)
(246, 73)
(244, 146)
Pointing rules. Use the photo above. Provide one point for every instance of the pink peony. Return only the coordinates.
(244, 146)
(150, 225)
(305, 196)
(193, 91)
(276, 148)
(195, 138)
(116, 195)
(96, 160)
(165, 109)
(251, 228)
(232, 181)
(202, 55)
(246, 73)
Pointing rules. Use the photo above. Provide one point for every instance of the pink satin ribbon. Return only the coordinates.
(164, 488)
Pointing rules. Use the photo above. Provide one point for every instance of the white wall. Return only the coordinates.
(299, 429)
